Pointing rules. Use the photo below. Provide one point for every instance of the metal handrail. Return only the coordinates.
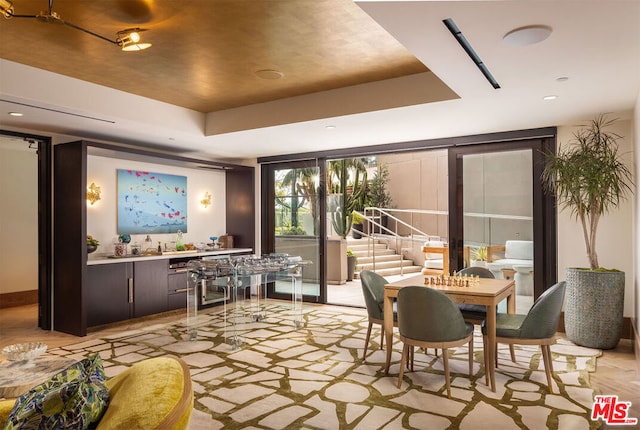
(371, 216)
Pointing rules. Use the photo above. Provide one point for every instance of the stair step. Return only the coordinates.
(366, 247)
(384, 264)
(394, 271)
(381, 254)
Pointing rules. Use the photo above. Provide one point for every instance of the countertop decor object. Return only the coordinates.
(24, 351)
(92, 244)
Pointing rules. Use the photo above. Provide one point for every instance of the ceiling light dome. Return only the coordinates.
(269, 74)
(528, 35)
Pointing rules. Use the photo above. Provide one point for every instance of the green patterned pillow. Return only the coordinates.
(75, 398)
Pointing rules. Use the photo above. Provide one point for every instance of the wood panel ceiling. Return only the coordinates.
(205, 53)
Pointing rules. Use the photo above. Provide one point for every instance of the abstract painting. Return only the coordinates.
(151, 202)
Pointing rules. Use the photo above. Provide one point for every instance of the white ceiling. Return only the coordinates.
(595, 44)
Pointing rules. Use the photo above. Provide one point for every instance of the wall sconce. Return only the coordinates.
(93, 193)
(206, 200)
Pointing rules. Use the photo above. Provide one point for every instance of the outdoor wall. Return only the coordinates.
(202, 222)
(498, 184)
(19, 219)
(615, 240)
(419, 180)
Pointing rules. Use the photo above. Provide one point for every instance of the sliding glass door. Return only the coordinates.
(291, 224)
(500, 218)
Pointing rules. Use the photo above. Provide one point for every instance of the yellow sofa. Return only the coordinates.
(152, 394)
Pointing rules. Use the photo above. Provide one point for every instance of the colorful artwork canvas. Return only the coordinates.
(151, 202)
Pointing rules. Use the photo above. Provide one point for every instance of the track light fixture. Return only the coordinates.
(128, 40)
(6, 8)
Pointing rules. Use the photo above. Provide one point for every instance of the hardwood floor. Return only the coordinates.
(617, 370)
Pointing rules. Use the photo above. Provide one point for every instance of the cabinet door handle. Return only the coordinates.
(130, 290)
(184, 290)
(180, 270)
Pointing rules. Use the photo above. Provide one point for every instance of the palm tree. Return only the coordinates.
(302, 183)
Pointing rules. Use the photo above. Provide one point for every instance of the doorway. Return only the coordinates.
(41, 146)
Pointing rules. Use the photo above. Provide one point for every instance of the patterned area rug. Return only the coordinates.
(314, 377)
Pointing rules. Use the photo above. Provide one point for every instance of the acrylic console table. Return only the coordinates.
(236, 274)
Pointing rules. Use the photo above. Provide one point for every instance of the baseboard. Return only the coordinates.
(20, 298)
(628, 329)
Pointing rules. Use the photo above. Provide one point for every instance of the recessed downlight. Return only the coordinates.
(550, 97)
(16, 113)
(269, 74)
(562, 79)
(330, 127)
(525, 36)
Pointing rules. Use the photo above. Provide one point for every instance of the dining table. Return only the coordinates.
(478, 291)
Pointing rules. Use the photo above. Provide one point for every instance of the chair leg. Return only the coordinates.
(382, 337)
(366, 341)
(548, 367)
(513, 352)
(412, 350)
(486, 360)
(445, 358)
(403, 362)
(471, 359)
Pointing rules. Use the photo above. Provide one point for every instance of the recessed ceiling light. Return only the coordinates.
(330, 127)
(16, 113)
(562, 79)
(269, 74)
(528, 35)
(549, 97)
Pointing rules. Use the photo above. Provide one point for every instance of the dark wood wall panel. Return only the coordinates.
(240, 207)
(69, 241)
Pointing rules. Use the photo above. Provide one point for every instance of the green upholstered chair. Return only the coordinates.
(428, 318)
(373, 291)
(474, 313)
(537, 327)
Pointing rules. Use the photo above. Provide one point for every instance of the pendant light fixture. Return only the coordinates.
(128, 40)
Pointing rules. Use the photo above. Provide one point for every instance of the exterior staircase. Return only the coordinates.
(387, 261)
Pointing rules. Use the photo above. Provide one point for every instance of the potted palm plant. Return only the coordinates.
(357, 224)
(590, 179)
(479, 257)
(378, 195)
(352, 260)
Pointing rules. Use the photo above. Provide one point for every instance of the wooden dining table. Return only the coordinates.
(487, 292)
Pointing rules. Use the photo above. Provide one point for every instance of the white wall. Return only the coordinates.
(636, 218)
(18, 219)
(201, 223)
(615, 240)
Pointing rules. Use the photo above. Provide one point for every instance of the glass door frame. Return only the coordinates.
(267, 227)
(544, 207)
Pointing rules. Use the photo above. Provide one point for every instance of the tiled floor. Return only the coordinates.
(617, 369)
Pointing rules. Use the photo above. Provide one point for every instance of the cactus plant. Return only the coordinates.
(348, 201)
